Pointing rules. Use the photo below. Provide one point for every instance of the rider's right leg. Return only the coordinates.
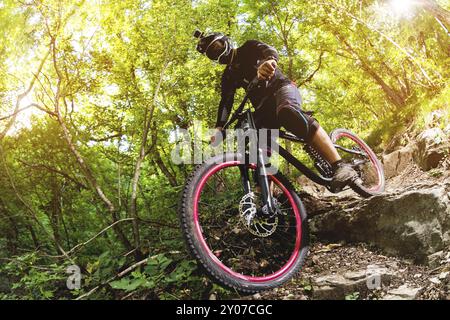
(343, 172)
(323, 144)
(290, 116)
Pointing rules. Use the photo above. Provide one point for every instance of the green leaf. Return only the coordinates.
(128, 284)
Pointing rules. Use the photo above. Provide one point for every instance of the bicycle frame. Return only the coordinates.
(317, 178)
(246, 117)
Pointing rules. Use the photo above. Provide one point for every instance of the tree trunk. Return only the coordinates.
(392, 94)
(160, 163)
(55, 212)
(437, 11)
(140, 159)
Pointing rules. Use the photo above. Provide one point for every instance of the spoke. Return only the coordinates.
(212, 189)
(224, 232)
(285, 238)
(286, 209)
(266, 254)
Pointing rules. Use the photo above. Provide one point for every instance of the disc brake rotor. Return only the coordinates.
(255, 223)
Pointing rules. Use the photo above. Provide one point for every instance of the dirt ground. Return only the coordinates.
(338, 258)
(326, 259)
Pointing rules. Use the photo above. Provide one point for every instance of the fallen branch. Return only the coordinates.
(119, 275)
(82, 244)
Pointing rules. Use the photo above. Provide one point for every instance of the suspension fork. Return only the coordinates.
(245, 178)
(263, 180)
(261, 172)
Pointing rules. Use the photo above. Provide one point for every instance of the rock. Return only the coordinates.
(257, 296)
(435, 280)
(403, 292)
(290, 296)
(434, 260)
(443, 275)
(429, 149)
(438, 287)
(394, 163)
(337, 286)
(432, 146)
(411, 223)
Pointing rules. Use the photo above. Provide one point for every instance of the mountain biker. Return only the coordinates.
(280, 99)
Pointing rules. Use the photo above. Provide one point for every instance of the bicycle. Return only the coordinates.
(251, 241)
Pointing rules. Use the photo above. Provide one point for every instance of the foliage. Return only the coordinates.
(163, 274)
(100, 88)
(32, 281)
(352, 296)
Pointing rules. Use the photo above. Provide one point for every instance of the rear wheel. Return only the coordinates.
(370, 170)
(246, 257)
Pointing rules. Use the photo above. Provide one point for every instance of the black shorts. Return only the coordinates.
(283, 109)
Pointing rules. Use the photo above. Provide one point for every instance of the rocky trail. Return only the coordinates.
(357, 271)
(392, 246)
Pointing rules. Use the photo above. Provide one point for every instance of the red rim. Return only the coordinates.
(372, 157)
(290, 263)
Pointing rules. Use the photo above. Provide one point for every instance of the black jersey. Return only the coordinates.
(243, 70)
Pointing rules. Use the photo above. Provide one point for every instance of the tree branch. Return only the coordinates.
(22, 96)
(65, 175)
(311, 76)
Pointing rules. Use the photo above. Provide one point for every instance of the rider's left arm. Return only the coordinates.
(228, 90)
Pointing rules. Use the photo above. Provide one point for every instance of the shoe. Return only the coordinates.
(344, 174)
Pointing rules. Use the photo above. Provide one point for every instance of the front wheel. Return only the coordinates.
(356, 152)
(242, 256)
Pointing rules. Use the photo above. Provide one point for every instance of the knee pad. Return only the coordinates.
(295, 121)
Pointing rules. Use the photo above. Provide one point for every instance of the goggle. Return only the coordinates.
(215, 56)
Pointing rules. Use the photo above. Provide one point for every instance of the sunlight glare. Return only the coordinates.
(24, 118)
(402, 7)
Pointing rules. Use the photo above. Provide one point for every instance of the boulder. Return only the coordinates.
(394, 163)
(413, 223)
(338, 286)
(404, 292)
(432, 147)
